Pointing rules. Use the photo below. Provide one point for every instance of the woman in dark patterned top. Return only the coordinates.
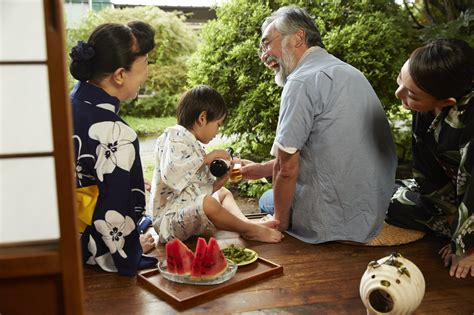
(110, 192)
(436, 83)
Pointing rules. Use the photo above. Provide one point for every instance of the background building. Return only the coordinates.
(198, 11)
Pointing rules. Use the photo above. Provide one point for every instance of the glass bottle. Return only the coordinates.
(220, 167)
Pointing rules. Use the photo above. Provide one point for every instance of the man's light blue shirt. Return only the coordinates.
(331, 114)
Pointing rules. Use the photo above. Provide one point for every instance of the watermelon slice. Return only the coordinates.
(208, 262)
(214, 263)
(199, 256)
(179, 257)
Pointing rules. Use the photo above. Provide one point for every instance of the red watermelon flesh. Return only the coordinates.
(214, 263)
(199, 256)
(179, 257)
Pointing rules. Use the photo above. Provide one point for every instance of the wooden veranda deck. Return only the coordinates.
(317, 279)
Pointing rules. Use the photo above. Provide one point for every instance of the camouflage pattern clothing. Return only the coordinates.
(441, 190)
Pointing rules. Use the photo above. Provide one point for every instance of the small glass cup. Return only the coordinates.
(235, 174)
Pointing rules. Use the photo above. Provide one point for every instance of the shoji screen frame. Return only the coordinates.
(59, 259)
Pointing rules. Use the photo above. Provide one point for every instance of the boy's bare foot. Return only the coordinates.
(263, 233)
(147, 242)
(461, 266)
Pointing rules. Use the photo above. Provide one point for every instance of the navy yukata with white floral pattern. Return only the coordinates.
(442, 187)
(107, 155)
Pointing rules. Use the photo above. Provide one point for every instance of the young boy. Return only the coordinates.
(186, 199)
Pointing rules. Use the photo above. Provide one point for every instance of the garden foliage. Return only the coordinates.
(375, 36)
(462, 28)
(175, 42)
(228, 60)
(435, 19)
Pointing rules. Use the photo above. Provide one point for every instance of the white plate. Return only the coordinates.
(227, 275)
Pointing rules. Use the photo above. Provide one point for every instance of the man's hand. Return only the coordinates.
(251, 170)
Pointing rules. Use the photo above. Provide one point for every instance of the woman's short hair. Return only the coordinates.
(110, 46)
(290, 19)
(201, 98)
(443, 68)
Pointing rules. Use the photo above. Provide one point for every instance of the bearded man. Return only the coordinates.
(335, 157)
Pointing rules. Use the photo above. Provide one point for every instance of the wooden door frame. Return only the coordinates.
(53, 259)
(71, 262)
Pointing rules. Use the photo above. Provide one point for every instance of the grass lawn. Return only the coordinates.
(148, 170)
(147, 126)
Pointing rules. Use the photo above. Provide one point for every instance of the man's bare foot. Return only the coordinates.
(269, 221)
(263, 233)
(147, 242)
(461, 266)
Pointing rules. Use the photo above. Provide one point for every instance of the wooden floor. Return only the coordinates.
(317, 279)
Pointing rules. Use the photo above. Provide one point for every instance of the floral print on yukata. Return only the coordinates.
(443, 157)
(107, 155)
(180, 183)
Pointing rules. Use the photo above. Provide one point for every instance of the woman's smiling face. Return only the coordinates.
(412, 96)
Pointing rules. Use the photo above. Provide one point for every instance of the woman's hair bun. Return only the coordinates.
(82, 52)
(81, 61)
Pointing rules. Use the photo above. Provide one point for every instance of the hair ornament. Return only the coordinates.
(82, 52)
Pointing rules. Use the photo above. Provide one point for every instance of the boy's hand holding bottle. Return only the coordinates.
(221, 166)
(219, 162)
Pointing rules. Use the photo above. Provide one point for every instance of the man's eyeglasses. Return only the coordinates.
(265, 44)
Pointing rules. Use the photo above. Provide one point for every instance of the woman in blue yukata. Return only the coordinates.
(186, 199)
(110, 67)
(436, 83)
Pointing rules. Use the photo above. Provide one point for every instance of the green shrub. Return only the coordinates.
(400, 123)
(228, 61)
(175, 42)
(461, 28)
(254, 188)
(160, 104)
(375, 36)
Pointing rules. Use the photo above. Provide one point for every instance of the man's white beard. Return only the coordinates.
(286, 65)
(280, 79)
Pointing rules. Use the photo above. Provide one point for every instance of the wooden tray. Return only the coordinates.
(184, 295)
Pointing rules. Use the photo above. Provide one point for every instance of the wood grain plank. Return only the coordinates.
(317, 279)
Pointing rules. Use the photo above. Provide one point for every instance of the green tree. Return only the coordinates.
(228, 61)
(373, 35)
(442, 19)
(175, 42)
